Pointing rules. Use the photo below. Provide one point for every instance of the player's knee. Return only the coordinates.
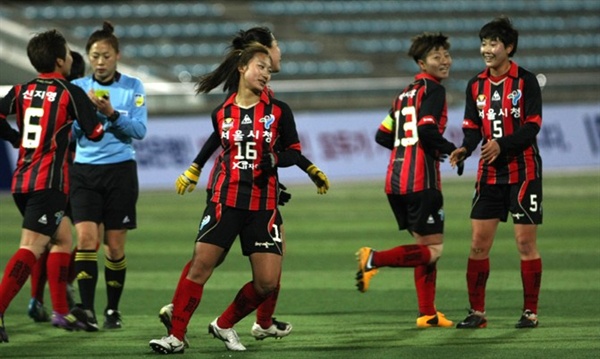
(265, 288)
(436, 251)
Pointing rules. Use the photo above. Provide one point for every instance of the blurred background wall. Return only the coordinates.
(341, 59)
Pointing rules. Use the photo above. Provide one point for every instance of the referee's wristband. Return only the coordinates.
(114, 116)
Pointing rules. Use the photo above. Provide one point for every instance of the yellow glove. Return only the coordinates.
(319, 178)
(187, 180)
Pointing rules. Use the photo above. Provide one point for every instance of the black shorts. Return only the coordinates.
(42, 211)
(523, 200)
(105, 194)
(420, 212)
(259, 231)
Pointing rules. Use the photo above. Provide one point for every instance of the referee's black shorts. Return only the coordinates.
(105, 194)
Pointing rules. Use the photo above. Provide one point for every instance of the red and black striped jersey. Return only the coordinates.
(245, 135)
(413, 130)
(507, 109)
(45, 109)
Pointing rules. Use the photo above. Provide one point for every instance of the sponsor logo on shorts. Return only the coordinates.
(518, 215)
(205, 221)
(264, 244)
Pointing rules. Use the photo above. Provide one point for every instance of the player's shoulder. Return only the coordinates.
(526, 75)
(281, 104)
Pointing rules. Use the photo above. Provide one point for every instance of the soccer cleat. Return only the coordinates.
(37, 311)
(87, 317)
(165, 314)
(437, 320)
(68, 322)
(112, 319)
(229, 336)
(474, 320)
(3, 335)
(277, 330)
(167, 345)
(365, 271)
(527, 320)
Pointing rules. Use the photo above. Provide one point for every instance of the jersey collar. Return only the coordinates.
(51, 75)
(264, 97)
(116, 78)
(513, 71)
(424, 75)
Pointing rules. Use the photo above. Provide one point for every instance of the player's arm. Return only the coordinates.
(290, 142)
(520, 139)
(210, 146)
(385, 133)
(82, 109)
(315, 174)
(430, 113)
(7, 105)
(189, 178)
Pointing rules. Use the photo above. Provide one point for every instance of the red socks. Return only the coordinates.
(478, 272)
(265, 310)
(185, 303)
(184, 273)
(244, 303)
(39, 277)
(58, 273)
(531, 276)
(16, 273)
(425, 278)
(411, 255)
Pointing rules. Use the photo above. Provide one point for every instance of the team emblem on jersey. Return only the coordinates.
(515, 96)
(481, 99)
(268, 120)
(496, 96)
(246, 121)
(227, 124)
(139, 100)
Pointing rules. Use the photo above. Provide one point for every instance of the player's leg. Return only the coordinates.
(261, 242)
(36, 309)
(266, 325)
(58, 268)
(526, 209)
(215, 237)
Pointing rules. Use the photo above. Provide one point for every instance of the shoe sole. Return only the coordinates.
(480, 326)
(162, 350)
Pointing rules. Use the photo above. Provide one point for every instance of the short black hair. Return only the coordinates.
(425, 42)
(45, 48)
(501, 28)
(78, 67)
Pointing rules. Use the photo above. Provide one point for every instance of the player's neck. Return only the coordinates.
(246, 98)
(500, 70)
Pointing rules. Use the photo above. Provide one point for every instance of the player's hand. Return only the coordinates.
(319, 178)
(457, 156)
(284, 197)
(187, 180)
(268, 161)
